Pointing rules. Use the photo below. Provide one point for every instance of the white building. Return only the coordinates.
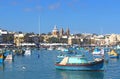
(3, 31)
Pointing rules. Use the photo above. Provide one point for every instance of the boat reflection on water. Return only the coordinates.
(2, 65)
(81, 74)
(9, 61)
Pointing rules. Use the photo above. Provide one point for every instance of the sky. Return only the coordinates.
(80, 16)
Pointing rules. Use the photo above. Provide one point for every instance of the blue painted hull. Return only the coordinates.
(86, 67)
(114, 56)
(1, 60)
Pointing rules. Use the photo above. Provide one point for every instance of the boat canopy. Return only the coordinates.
(64, 61)
(77, 60)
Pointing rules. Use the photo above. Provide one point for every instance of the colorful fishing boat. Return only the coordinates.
(1, 56)
(98, 51)
(79, 62)
(27, 51)
(8, 55)
(113, 54)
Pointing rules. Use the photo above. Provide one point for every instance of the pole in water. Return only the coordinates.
(38, 55)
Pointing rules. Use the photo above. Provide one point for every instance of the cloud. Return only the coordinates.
(73, 3)
(54, 6)
(14, 3)
(39, 8)
(27, 9)
(76, 5)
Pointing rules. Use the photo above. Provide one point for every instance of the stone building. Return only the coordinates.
(113, 39)
(61, 32)
(18, 39)
(55, 32)
(67, 32)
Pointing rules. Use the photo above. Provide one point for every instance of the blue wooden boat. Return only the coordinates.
(1, 58)
(98, 51)
(113, 54)
(8, 55)
(80, 63)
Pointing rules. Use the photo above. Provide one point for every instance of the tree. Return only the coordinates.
(53, 40)
(26, 37)
(63, 40)
(7, 38)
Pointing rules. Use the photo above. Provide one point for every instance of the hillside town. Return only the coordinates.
(58, 36)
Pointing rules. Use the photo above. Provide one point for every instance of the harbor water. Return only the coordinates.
(40, 65)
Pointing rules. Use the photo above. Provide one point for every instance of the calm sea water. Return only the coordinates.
(42, 67)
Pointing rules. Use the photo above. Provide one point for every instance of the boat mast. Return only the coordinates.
(39, 29)
(39, 24)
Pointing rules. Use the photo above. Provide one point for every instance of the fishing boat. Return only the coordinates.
(60, 57)
(98, 51)
(8, 55)
(113, 54)
(1, 56)
(63, 49)
(117, 47)
(27, 51)
(80, 62)
(18, 51)
(51, 48)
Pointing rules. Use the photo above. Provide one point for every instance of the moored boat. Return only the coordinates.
(27, 51)
(113, 54)
(80, 63)
(1, 56)
(63, 49)
(8, 54)
(9, 57)
(51, 48)
(98, 51)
